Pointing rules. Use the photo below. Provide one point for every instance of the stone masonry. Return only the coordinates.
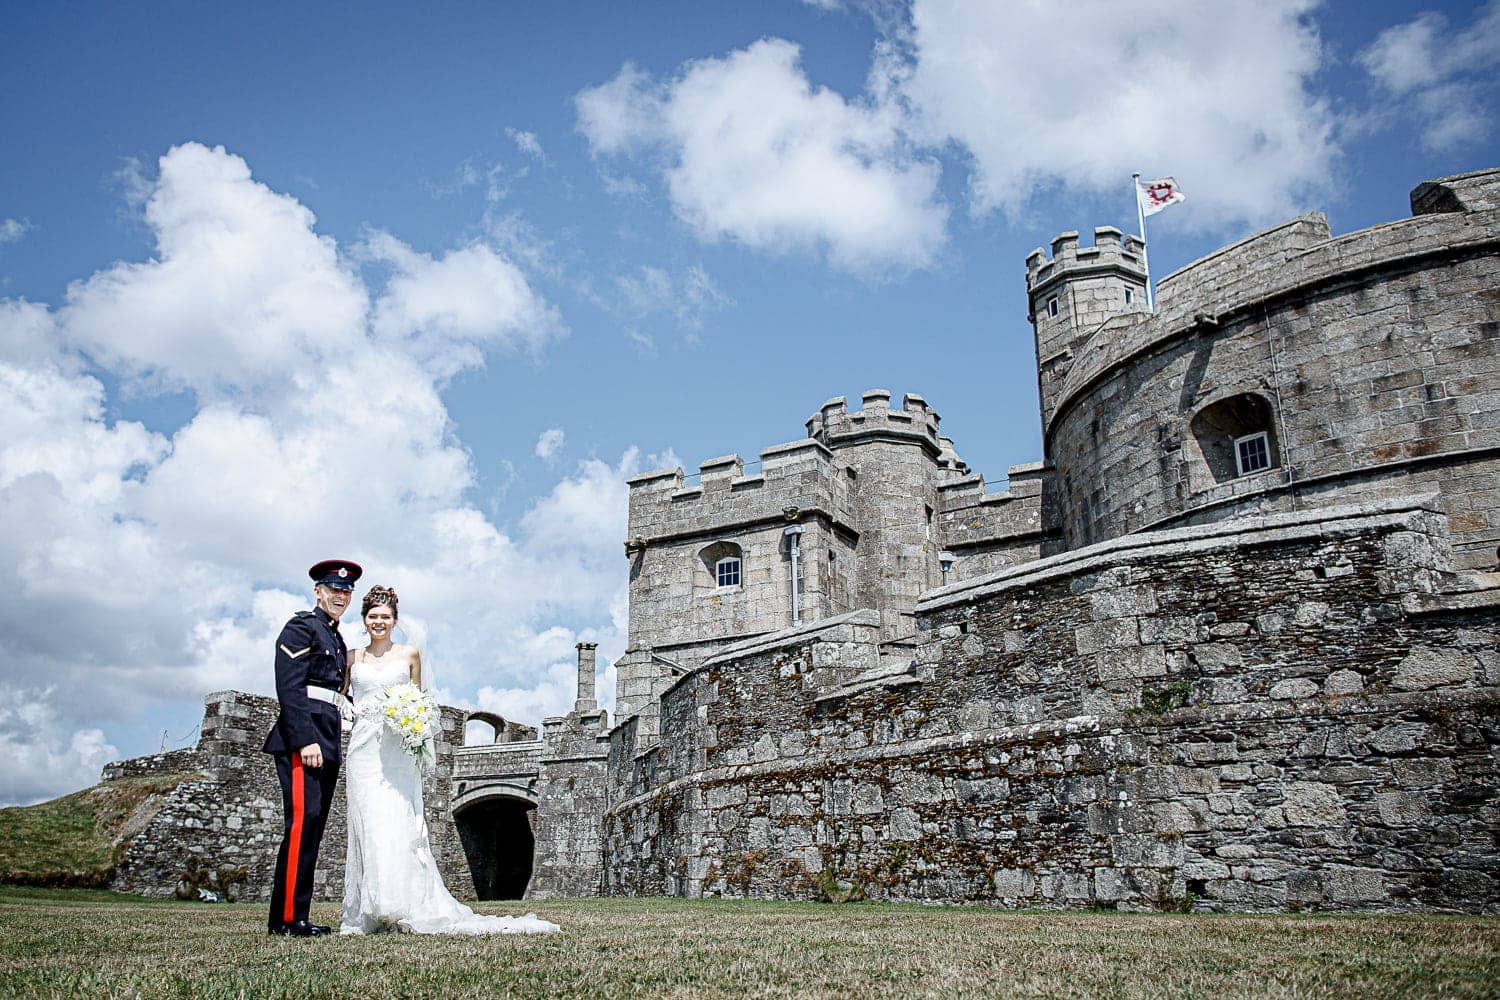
(230, 814)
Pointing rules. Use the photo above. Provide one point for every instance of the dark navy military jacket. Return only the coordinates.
(309, 651)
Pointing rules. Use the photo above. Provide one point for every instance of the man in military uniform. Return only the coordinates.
(311, 659)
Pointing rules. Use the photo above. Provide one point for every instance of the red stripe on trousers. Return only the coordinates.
(294, 841)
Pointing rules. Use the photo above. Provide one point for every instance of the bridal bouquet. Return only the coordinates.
(413, 714)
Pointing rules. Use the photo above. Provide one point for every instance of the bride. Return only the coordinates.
(391, 882)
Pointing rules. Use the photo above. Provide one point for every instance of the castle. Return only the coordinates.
(1233, 643)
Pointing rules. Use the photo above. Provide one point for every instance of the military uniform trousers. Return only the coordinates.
(306, 797)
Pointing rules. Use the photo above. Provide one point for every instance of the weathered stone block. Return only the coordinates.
(1425, 667)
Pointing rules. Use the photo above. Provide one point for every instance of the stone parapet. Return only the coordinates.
(1293, 259)
(834, 426)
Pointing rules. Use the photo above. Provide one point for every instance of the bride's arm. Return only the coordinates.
(416, 666)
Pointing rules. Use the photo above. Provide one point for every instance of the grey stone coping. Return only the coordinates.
(724, 527)
(714, 463)
(1471, 600)
(795, 634)
(965, 483)
(653, 476)
(500, 749)
(792, 447)
(1256, 529)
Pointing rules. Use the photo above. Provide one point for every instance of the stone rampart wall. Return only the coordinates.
(988, 532)
(233, 818)
(1279, 715)
(170, 762)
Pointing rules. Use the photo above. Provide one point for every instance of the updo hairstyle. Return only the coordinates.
(380, 595)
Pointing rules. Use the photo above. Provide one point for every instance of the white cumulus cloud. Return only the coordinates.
(1082, 94)
(144, 569)
(751, 151)
(43, 756)
(1443, 76)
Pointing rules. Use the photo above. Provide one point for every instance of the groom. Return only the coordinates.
(310, 663)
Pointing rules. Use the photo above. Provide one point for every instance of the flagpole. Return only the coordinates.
(1140, 214)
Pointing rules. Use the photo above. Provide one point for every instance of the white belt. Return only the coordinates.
(334, 698)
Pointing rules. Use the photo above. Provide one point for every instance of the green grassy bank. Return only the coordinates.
(72, 841)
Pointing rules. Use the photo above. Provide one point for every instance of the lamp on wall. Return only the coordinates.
(946, 560)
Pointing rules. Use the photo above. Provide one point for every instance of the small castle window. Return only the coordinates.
(1252, 453)
(727, 572)
(1129, 296)
(1052, 306)
(1231, 437)
(719, 567)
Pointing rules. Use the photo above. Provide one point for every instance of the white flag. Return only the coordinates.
(1158, 194)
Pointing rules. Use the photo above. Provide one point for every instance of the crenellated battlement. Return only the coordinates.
(835, 425)
(1112, 249)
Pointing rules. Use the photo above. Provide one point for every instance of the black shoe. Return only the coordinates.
(298, 928)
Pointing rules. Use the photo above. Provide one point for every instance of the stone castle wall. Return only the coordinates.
(1315, 729)
(1375, 358)
(232, 816)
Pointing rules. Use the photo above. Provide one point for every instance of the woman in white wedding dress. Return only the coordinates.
(391, 881)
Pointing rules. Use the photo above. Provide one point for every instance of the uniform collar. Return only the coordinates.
(326, 617)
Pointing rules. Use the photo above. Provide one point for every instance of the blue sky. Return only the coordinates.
(421, 285)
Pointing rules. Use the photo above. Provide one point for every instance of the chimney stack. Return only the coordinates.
(586, 701)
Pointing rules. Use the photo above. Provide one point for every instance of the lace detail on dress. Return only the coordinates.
(391, 880)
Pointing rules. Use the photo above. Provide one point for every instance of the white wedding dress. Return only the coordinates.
(391, 881)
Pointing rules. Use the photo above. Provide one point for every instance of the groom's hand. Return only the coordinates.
(312, 755)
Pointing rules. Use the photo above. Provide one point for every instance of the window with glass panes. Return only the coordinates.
(727, 572)
(1252, 453)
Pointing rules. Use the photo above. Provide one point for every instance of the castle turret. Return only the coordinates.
(1075, 293)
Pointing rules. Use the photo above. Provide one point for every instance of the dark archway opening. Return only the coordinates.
(499, 845)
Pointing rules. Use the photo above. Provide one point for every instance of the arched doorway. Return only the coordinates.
(499, 845)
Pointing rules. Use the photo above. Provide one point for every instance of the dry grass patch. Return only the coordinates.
(71, 944)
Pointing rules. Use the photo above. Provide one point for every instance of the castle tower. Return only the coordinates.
(892, 460)
(1074, 294)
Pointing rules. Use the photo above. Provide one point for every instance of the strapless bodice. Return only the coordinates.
(370, 676)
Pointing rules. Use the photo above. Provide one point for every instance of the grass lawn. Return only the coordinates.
(97, 944)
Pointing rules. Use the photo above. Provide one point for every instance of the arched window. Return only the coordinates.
(483, 728)
(1231, 438)
(720, 567)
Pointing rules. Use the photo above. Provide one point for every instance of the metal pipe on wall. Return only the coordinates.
(792, 534)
